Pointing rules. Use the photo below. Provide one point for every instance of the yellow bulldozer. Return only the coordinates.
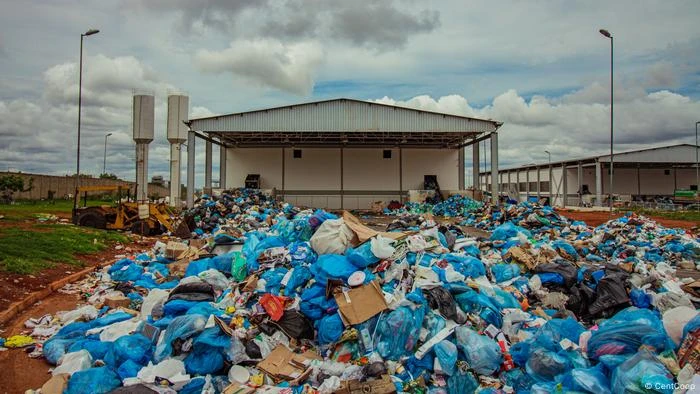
(140, 218)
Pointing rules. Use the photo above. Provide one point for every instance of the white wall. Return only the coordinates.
(440, 162)
(366, 169)
(317, 169)
(266, 162)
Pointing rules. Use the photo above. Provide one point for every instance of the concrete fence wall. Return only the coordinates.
(63, 186)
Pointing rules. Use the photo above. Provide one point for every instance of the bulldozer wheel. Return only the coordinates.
(141, 227)
(92, 219)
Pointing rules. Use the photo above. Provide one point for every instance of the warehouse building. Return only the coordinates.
(340, 153)
(637, 176)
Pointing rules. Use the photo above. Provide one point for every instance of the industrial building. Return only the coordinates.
(340, 153)
(637, 175)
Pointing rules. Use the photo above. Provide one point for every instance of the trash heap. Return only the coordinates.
(455, 205)
(283, 300)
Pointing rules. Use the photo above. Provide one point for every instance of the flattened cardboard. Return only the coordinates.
(365, 302)
(237, 388)
(282, 364)
(362, 232)
(56, 385)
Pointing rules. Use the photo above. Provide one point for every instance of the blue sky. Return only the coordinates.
(540, 67)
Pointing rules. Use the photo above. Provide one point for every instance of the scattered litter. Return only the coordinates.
(269, 297)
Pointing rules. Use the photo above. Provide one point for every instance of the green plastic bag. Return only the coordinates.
(238, 267)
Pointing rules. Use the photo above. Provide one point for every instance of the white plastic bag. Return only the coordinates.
(87, 312)
(214, 278)
(381, 247)
(73, 362)
(675, 319)
(154, 297)
(332, 237)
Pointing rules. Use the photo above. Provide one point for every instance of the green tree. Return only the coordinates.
(108, 176)
(9, 184)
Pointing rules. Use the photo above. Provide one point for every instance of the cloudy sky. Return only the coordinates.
(541, 67)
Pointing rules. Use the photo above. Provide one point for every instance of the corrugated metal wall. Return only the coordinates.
(342, 116)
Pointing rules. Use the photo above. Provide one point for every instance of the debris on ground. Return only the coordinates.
(279, 299)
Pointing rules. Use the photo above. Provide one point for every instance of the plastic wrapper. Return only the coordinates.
(544, 365)
(505, 272)
(332, 266)
(73, 362)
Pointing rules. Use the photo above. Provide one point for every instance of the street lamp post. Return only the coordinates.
(80, 101)
(104, 162)
(549, 165)
(697, 179)
(608, 35)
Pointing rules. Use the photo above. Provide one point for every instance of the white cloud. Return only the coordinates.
(571, 129)
(266, 62)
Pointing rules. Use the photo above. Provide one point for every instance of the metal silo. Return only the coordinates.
(143, 113)
(178, 110)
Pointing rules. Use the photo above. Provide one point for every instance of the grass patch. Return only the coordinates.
(29, 209)
(24, 251)
(691, 216)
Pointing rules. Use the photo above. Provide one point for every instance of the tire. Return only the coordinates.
(92, 219)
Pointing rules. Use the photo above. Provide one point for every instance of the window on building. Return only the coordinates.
(544, 186)
(296, 154)
(694, 187)
(667, 172)
(386, 154)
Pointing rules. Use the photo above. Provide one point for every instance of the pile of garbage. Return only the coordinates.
(272, 298)
(455, 205)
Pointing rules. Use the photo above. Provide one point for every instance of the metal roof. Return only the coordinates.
(681, 154)
(343, 122)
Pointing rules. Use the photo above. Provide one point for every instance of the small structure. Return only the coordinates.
(143, 116)
(340, 153)
(637, 175)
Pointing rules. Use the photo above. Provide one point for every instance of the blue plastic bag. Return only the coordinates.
(591, 380)
(544, 365)
(446, 353)
(273, 279)
(99, 380)
(640, 298)
(641, 372)
(361, 256)
(181, 327)
(550, 334)
(330, 328)
(625, 332)
(472, 302)
(299, 277)
(504, 272)
(128, 369)
(332, 266)
(134, 347)
(398, 332)
(466, 265)
(125, 270)
(483, 354)
(462, 382)
(96, 348)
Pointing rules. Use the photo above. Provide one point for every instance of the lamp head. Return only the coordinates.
(605, 33)
(91, 32)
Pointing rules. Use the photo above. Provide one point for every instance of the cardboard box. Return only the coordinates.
(360, 304)
(117, 301)
(282, 364)
(378, 386)
(175, 250)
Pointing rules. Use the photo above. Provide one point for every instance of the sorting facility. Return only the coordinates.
(341, 153)
(637, 175)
